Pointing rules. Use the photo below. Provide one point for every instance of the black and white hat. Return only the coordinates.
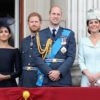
(6, 21)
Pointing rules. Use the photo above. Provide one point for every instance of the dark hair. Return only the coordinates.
(87, 23)
(35, 14)
(6, 27)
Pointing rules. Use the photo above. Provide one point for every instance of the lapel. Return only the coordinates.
(28, 41)
(48, 33)
(89, 43)
(58, 35)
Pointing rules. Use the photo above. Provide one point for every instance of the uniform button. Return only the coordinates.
(29, 64)
(30, 56)
(22, 51)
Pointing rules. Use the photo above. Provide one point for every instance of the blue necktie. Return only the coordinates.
(53, 33)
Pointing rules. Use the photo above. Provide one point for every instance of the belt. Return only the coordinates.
(54, 60)
(29, 68)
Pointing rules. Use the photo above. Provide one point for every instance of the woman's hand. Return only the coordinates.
(4, 77)
(91, 77)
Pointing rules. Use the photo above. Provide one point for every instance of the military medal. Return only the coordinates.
(41, 77)
(63, 40)
(31, 44)
(63, 50)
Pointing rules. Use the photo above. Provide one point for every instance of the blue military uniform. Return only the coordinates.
(62, 60)
(29, 71)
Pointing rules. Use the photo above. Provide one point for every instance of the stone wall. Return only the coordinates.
(76, 75)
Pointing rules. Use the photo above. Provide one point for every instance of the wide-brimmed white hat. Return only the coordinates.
(93, 14)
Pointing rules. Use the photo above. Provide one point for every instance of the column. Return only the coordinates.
(40, 6)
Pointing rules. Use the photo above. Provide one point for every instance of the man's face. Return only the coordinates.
(55, 16)
(34, 24)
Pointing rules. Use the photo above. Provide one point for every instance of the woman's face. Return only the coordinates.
(4, 34)
(94, 26)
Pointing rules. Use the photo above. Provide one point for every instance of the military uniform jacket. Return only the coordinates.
(63, 67)
(28, 77)
(27, 52)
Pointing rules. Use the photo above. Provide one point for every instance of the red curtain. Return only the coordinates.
(51, 93)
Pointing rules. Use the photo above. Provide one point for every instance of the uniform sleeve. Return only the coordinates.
(71, 52)
(81, 56)
(44, 68)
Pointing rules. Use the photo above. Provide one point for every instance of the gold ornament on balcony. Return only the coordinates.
(26, 94)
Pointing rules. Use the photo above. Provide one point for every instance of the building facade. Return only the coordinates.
(74, 17)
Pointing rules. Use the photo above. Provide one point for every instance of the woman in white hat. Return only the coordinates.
(89, 51)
